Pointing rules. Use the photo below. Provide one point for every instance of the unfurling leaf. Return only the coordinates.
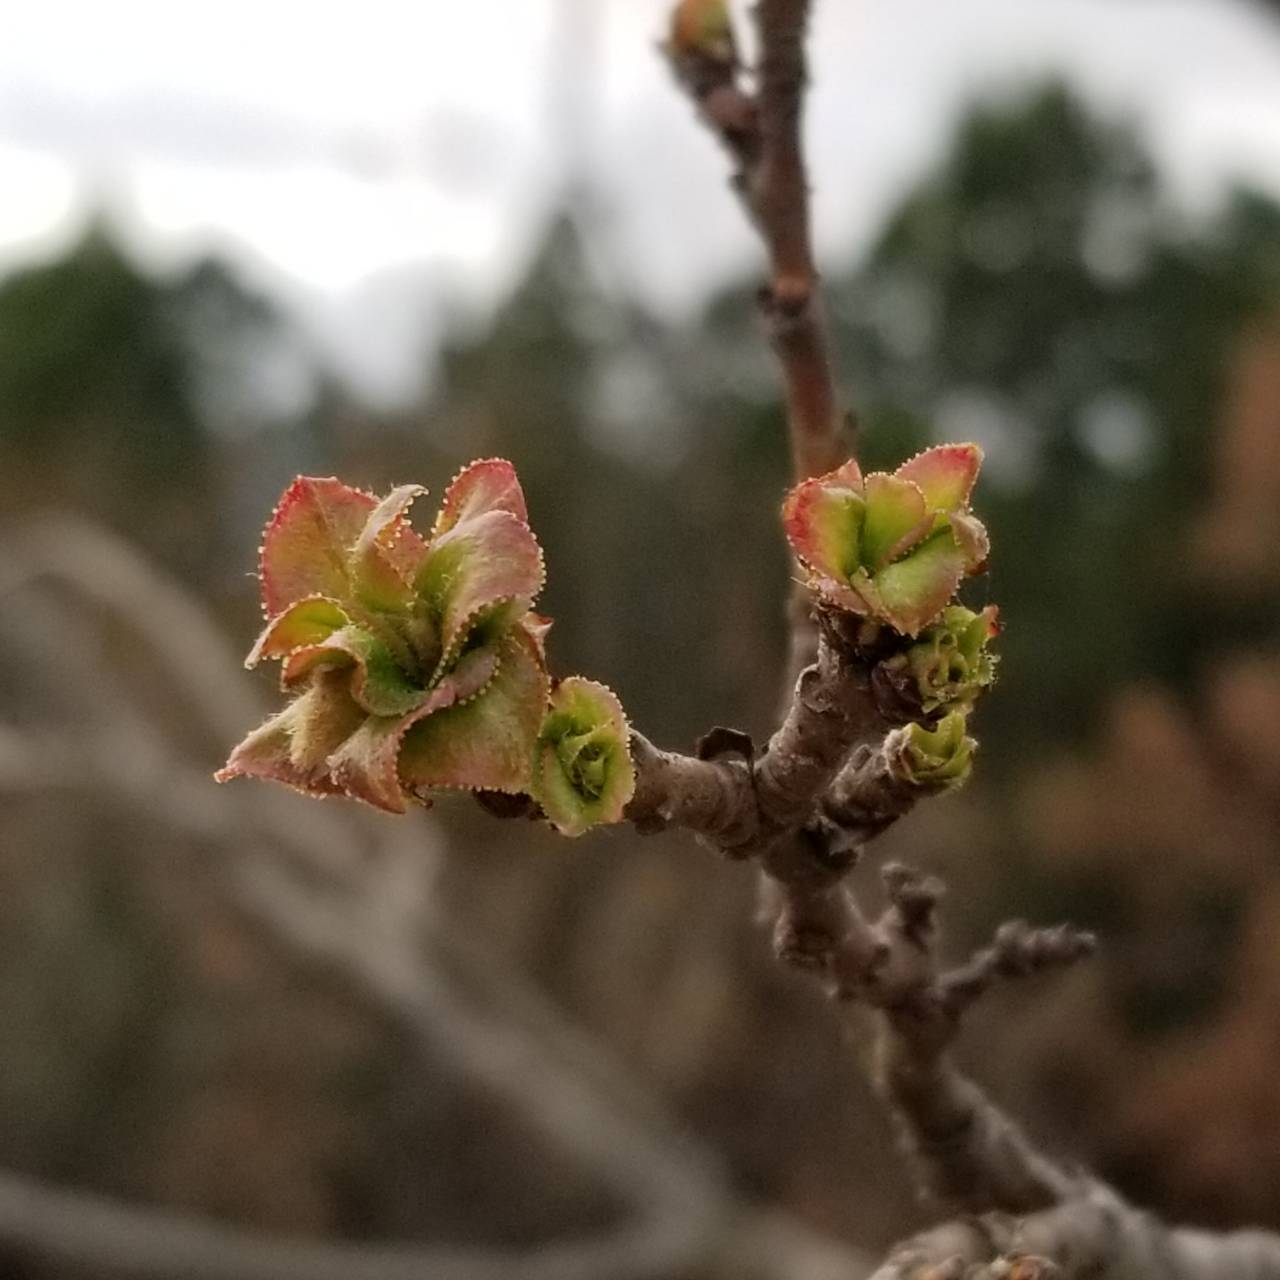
(893, 548)
(487, 743)
(414, 663)
(951, 663)
(582, 773)
(940, 758)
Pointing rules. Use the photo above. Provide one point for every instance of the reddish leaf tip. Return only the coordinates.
(487, 484)
(945, 473)
(304, 545)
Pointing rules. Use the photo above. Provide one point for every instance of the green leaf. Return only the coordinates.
(483, 568)
(951, 663)
(305, 622)
(895, 521)
(822, 519)
(914, 590)
(366, 765)
(393, 645)
(583, 776)
(940, 758)
(376, 680)
(893, 548)
(971, 536)
(486, 743)
(388, 553)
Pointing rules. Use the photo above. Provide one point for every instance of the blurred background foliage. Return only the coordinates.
(1035, 292)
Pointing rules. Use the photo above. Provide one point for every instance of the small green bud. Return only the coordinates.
(582, 774)
(951, 662)
(940, 758)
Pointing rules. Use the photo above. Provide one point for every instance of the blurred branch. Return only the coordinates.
(375, 926)
(181, 643)
(1093, 1235)
(520, 1048)
(77, 1228)
(176, 629)
(822, 789)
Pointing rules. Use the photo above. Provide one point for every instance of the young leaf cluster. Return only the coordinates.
(418, 663)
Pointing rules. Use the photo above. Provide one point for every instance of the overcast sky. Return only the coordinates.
(364, 161)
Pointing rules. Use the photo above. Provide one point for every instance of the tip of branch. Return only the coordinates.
(1018, 951)
(703, 28)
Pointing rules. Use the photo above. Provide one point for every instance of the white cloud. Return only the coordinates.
(337, 145)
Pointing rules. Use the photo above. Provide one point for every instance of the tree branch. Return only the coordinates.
(371, 920)
(778, 191)
(76, 1228)
(520, 1047)
(753, 806)
(761, 131)
(1093, 1235)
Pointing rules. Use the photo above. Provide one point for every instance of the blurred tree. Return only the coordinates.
(1121, 365)
(1034, 293)
(112, 385)
(1037, 295)
(588, 395)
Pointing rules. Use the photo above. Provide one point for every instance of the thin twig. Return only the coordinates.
(778, 191)
(762, 133)
(1093, 1235)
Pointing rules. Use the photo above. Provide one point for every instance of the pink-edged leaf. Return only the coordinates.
(306, 543)
(486, 743)
(376, 681)
(305, 622)
(895, 520)
(914, 590)
(366, 765)
(848, 475)
(945, 474)
(489, 484)
(388, 553)
(822, 519)
(971, 535)
(583, 776)
(294, 745)
(485, 563)
(858, 595)
(536, 626)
